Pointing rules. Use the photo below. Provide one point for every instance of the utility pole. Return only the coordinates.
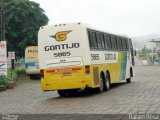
(2, 21)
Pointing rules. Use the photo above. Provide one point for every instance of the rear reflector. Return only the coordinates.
(63, 70)
(87, 69)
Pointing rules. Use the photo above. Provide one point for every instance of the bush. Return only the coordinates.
(21, 72)
(4, 81)
(143, 56)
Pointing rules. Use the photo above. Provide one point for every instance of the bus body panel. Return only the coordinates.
(51, 48)
(66, 78)
(114, 62)
(63, 55)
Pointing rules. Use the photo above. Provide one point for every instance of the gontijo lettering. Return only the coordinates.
(110, 56)
(61, 46)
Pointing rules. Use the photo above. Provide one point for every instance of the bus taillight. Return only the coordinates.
(87, 69)
(42, 73)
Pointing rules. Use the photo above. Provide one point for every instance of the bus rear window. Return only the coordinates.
(65, 62)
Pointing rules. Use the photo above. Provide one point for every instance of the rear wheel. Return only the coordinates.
(32, 77)
(62, 93)
(107, 83)
(101, 88)
(128, 80)
(71, 92)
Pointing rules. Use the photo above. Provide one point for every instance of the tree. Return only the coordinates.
(22, 19)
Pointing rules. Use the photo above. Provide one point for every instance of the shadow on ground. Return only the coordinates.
(89, 92)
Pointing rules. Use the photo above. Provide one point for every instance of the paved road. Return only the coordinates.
(140, 96)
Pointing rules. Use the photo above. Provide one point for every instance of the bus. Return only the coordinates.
(31, 62)
(76, 56)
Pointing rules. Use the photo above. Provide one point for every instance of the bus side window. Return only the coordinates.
(113, 42)
(119, 43)
(130, 44)
(124, 44)
(90, 40)
(94, 40)
(127, 44)
(98, 40)
(102, 40)
(106, 41)
(116, 43)
(109, 41)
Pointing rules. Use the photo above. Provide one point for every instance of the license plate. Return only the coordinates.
(67, 74)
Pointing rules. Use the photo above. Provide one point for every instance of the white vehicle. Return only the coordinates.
(31, 61)
(75, 56)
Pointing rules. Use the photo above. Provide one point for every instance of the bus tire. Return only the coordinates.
(31, 77)
(35, 77)
(101, 88)
(62, 93)
(128, 80)
(107, 82)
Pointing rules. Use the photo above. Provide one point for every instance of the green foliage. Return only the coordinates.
(22, 20)
(143, 56)
(4, 81)
(11, 72)
(21, 72)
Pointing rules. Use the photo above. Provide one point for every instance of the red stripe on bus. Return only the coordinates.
(63, 70)
(50, 71)
(75, 69)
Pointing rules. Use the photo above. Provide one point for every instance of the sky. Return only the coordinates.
(128, 17)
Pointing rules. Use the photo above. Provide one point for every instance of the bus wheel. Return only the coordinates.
(32, 77)
(62, 93)
(128, 80)
(107, 83)
(36, 77)
(101, 88)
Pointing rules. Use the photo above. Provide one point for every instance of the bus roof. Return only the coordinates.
(88, 26)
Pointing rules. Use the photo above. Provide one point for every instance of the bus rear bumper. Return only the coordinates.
(62, 86)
